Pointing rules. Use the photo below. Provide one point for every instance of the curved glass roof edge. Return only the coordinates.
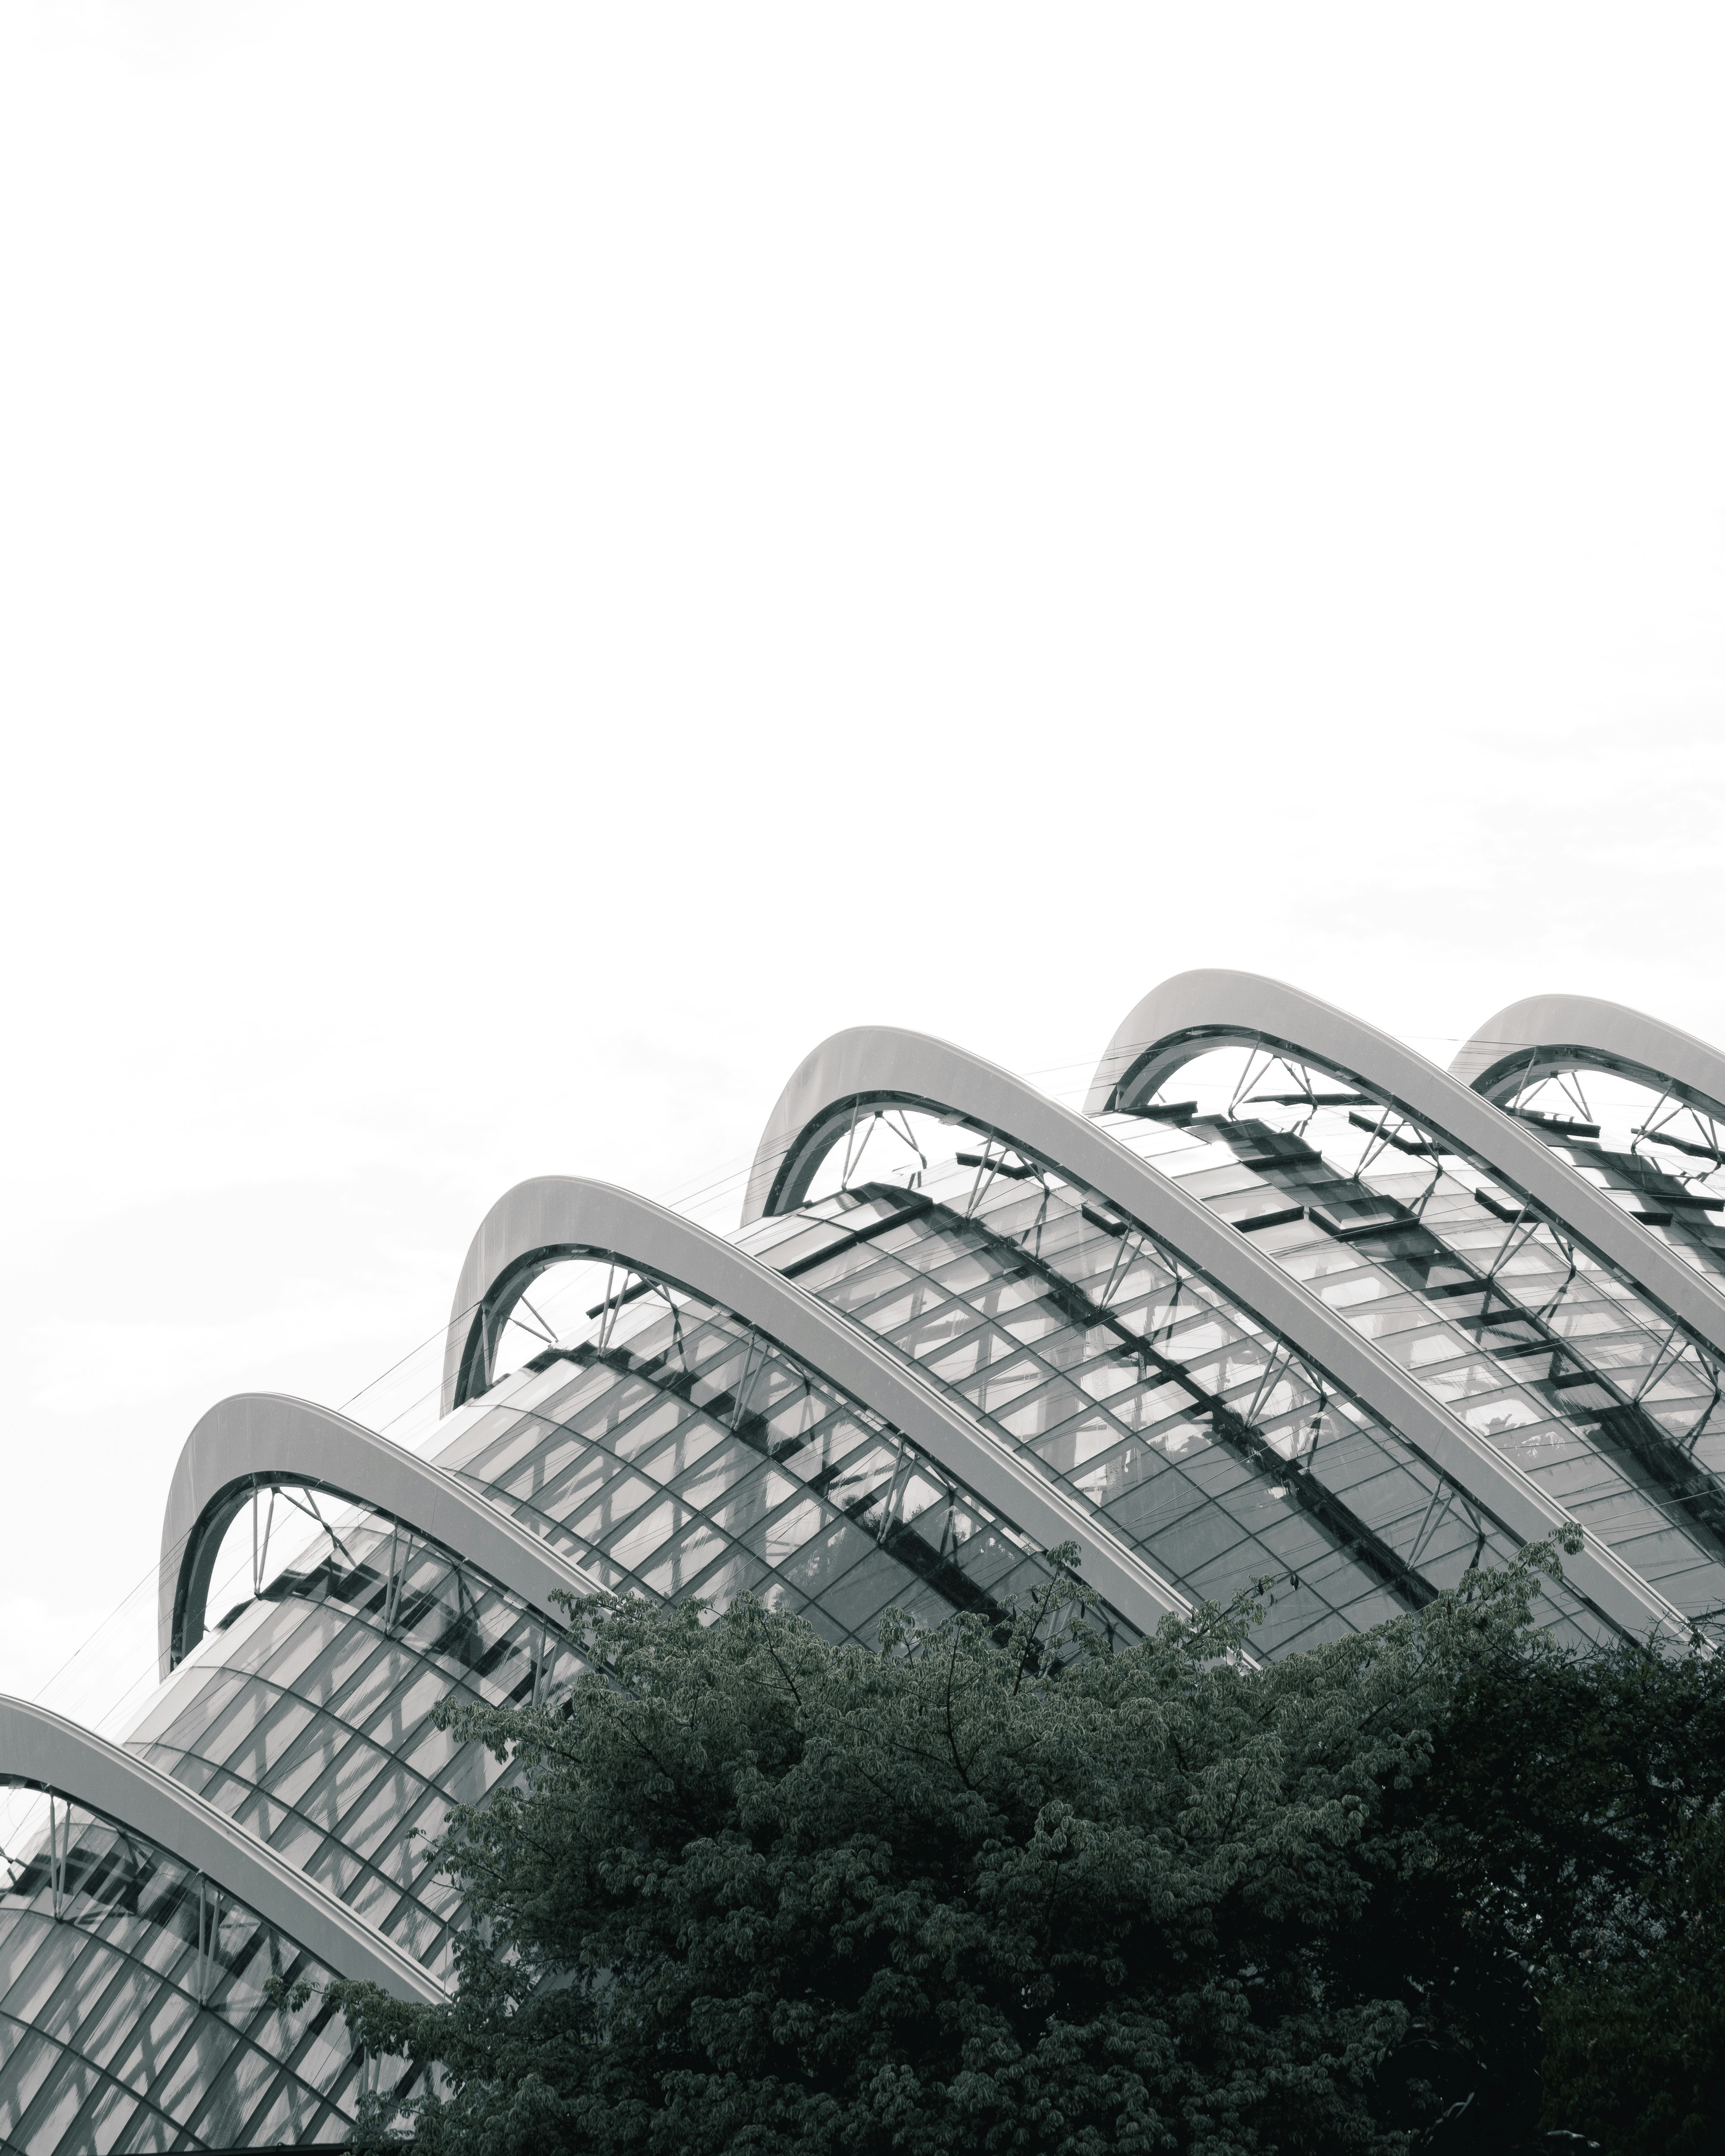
(735, 1418)
(1644, 1603)
(1427, 1144)
(140, 1904)
(1194, 1013)
(452, 1629)
(1676, 1481)
(1587, 1032)
(1135, 1062)
(919, 1206)
(871, 1234)
(548, 1219)
(1665, 1163)
(882, 1065)
(252, 1441)
(1196, 1045)
(1660, 1607)
(40, 1749)
(979, 1425)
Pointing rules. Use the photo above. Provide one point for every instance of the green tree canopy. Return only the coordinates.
(750, 1892)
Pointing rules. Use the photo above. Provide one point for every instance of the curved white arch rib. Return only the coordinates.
(1541, 1035)
(1194, 1013)
(870, 1066)
(257, 1439)
(552, 1218)
(41, 1751)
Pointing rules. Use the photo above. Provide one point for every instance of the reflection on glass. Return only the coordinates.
(1661, 1159)
(1101, 1359)
(679, 1450)
(1529, 1339)
(132, 2012)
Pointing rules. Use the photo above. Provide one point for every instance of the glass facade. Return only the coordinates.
(306, 1720)
(667, 1446)
(132, 2011)
(1106, 1364)
(675, 1451)
(1544, 1352)
(681, 1451)
(1660, 1158)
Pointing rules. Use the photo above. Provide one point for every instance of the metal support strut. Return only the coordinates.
(210, 1931)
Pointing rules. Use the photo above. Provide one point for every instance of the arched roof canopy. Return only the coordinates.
(1194, 1013)
(257, 1441)
(1542, 1035)
(553, 1218)
(871, 1067)
(41, 1751)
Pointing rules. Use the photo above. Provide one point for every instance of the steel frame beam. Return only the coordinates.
(1543, 1035)
(41, 1751)
(869, 1067)
(544, 1222)
(264, 1440)
(1194, 1013)
(1235, 1428)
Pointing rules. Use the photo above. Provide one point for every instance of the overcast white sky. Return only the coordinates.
(550, 556)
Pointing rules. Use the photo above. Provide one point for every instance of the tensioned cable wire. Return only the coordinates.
(698, 1193)
(127, 1606)
(682, 1195)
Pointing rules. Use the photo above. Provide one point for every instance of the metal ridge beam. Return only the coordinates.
(1194, 1013)
(256, 1440)
(43, 1751)
(879, 1066)
(1540, 1035)
(543, 1222)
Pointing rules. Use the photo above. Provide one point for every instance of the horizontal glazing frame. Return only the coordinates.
(699, 1457)
(309, 1722)
(1626, 1424)
(112, 1950)
(820, 1244)
(1666, 1170)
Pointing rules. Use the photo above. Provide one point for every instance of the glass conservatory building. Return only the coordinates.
(1284, 1301)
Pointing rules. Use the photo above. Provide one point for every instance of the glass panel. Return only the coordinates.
(142, 2038)
(1660, 1158)
(1104, 1361)
(751, 1445)
(1542, 1350)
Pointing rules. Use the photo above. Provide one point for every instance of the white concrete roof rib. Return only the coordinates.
(1528, 1040)
(40, 1750)
(257, 1439)
(541, 1223)
(880, 1066)
(1194, 1013)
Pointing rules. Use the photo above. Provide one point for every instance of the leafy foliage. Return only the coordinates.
(748, 1892)
(1576, 1810)
(1635, 2044)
